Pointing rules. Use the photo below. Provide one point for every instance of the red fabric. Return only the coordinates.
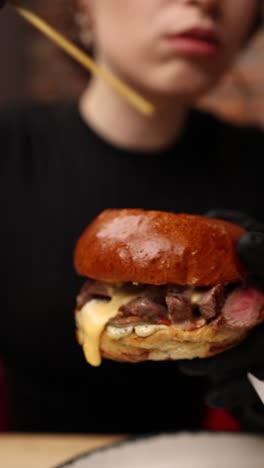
(218, 420)
(3, 402)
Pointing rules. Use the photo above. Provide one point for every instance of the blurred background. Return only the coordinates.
(34, 69)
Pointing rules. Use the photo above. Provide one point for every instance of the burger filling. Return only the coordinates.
(144, 309)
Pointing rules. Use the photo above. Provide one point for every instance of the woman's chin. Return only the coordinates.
(187, 84)
(183, 87)
(187, 92)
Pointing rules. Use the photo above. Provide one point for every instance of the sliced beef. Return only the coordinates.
(121, 321)
(243, 308)
(155, 293)
(236, 307)
(145, 308)
(210, 302)
(92, 290)
(179, 304)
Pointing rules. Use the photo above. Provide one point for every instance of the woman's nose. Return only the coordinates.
(210, 7)
(206, 5)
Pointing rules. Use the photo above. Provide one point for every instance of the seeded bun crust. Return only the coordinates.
(154, 247)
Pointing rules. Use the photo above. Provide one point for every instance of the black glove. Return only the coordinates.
(227, 372)
(250, 247)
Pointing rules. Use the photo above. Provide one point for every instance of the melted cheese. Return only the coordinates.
(92, 319)
(195, 297)
(94, 316)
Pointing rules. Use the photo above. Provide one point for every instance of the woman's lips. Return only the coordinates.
(196, 42)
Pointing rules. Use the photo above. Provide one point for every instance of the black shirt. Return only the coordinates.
(56, 174)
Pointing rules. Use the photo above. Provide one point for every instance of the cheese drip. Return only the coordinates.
(95, 314)
(92, 319)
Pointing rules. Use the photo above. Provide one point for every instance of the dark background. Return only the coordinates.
(31, 66)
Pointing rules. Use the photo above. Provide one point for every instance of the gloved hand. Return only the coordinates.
(250, 247)
(227, 372)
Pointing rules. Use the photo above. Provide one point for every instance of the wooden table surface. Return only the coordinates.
(46, 451)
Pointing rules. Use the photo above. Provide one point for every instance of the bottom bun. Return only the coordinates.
(171, 343)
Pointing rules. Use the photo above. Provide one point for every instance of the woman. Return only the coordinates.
(62, 164)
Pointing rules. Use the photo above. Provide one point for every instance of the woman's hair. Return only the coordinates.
(258, 23)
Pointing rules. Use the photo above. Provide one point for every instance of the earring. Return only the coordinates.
(84, 25)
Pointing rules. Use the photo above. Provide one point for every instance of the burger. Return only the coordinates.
(161, 286)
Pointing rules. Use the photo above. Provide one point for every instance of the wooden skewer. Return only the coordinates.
(129, 94)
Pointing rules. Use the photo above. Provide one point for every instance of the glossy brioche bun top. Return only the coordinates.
(154, 247)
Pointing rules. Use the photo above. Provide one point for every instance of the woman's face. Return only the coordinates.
(170, 47)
